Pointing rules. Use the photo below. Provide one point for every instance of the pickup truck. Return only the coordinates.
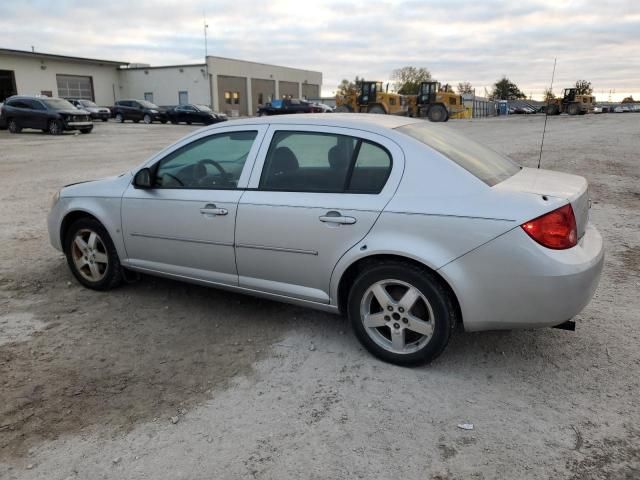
(293, 105)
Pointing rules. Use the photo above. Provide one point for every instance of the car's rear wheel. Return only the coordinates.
(55, 127)
(147, 119)
(91, 255)
(119, 118)
(401, 313)
(13, 126)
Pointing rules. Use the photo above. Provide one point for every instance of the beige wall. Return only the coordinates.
(232, 84)
(265, 87)
(165, 83)
(310, 91)
(31, 79)
(253, 70)
(288, 89)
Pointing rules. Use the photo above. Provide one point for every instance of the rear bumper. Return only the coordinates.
(512, 282)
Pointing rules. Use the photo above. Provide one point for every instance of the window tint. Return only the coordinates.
(324, 162)
(214, 162)
(371, 170)
(480, 161)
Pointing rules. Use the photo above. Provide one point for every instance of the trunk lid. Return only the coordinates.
(572, 188)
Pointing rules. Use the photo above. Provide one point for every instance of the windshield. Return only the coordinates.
(203, 108)
(57, 104)
(146, 104)
(484, 163)
(87, 103)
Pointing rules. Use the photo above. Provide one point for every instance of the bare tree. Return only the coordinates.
(548, 94)
(346, 87)
(465, 88)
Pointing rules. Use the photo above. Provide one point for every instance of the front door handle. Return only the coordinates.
(336, 217)
(211, 210)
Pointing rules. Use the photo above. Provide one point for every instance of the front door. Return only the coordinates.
(315, 193)
(184, 225)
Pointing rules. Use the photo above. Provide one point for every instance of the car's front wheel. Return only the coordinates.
(55, 127)
(119, 118)
(147, 119)
(91, 255)
(401, 313)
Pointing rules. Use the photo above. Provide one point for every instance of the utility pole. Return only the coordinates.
(206, 63)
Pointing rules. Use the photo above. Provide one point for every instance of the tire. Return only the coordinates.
(13, 126)
(437, 113)
(553, 110)
(343, 109)
(86, 130)
(376, 109)
(119, 118)
(573, 109)
(55, 127)
(430, 310)
(147, 119)
(96, 264)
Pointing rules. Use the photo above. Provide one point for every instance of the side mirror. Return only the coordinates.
(142, 179)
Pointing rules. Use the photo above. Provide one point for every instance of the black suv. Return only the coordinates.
(53, 115)
(137, 110)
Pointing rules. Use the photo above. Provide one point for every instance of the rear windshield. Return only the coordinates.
(482, 162)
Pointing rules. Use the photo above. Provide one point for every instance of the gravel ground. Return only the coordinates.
(160, 379)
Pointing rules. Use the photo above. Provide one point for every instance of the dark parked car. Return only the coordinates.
(194, 114)
(53, 115)
(137, 110)
(96, 112)
(3, 124)
(280, 107)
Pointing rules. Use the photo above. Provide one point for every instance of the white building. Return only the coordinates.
(233, 86)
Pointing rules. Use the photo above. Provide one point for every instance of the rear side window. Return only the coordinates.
(324, 162)
(482, 162)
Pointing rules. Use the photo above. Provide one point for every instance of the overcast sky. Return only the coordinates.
(457, 40)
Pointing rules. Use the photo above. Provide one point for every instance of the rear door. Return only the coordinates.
(314, 193)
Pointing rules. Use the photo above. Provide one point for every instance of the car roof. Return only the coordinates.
(346, 120)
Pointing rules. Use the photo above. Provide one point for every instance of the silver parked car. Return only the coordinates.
(405, 226)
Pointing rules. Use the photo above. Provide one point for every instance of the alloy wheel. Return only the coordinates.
(89, 255)
(397, 316)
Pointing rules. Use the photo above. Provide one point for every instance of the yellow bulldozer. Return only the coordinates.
(371, 97)
(435, 103)
(571, 103)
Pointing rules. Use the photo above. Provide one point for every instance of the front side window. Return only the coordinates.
(213, 162)
(324, 162)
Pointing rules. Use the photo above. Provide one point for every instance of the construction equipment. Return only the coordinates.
(370, 97)
(435, 103)
(571, 103)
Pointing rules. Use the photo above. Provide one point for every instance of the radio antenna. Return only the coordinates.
(546, 110)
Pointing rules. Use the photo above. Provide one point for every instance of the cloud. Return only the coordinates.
(457, 40)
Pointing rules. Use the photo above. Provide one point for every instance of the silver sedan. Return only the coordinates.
(404, 226)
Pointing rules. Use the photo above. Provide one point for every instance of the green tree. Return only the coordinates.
(465, 88)
(583, 87)
(505, 89)
(407, 79)
(346, 87)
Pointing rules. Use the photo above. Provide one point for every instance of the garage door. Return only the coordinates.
(75, 86)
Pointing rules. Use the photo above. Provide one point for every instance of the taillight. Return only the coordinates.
(555, 229)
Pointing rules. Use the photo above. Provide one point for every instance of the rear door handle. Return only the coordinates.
(211, 210)
(336, 217)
